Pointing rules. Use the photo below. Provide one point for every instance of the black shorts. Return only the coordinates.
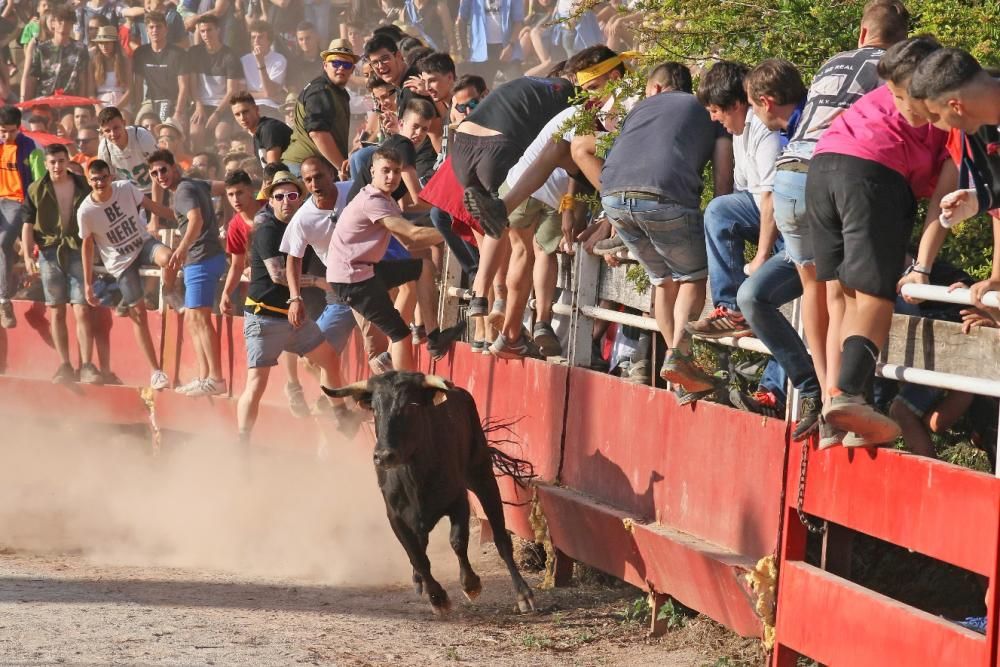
(370, 298)
(482, 161)
(861, 214)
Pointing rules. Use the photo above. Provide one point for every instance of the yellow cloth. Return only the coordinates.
(567, 203)
(603, 67)
(257, 305)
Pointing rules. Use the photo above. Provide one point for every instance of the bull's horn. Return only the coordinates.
(436, 382)
(355, 389)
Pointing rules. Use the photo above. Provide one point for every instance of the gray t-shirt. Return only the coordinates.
(193, 193)
(662, 149)
(839, 83)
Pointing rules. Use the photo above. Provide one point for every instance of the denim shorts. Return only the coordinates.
(130, 282)
(790, 216)
(61, 284)
(336, 323)
(201, 281)
(920, 399)
(666, 238)
(267, 337)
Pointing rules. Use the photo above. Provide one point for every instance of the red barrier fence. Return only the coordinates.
(678, 501)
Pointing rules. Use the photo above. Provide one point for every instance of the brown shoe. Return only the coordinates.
(7, 318)
(721, 323)
(680, 369)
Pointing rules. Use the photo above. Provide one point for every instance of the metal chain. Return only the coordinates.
(818, 529)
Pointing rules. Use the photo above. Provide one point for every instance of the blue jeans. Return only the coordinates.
(11, 218)
(730, 222)
(466, 254)
(770, 287)
(667, 239)
(790, 216)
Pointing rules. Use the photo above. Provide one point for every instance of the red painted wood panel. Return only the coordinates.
(529, 390)
(943, 511)
(841, 624)
(86, 403)
(28, 350)
(698, 574)
(707, 470)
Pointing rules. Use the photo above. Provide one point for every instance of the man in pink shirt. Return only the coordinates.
(362, 279)
(868, 172)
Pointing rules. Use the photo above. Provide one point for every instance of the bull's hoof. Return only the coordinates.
(526, 602)
(473, 592)
(441, 606)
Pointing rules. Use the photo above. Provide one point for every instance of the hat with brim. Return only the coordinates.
(172, 124)
(340, 48)
(284, 178)
(290, 101)
(105, 34)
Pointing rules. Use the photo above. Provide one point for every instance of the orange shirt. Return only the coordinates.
(10, 177)
(83, 159)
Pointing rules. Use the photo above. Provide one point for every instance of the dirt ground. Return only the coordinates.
(203, 556)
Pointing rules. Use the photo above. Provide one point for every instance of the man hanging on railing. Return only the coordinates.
(870, 168)
(109, 219)
(744, 216)
(654, 206)
(962, 97)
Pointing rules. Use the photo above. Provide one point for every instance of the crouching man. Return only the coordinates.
(109, 220)
(265, 321)
(361, 278)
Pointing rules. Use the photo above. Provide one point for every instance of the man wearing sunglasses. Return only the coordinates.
(87, 141)
(323, 111)
(266, 324)
(386, 61)
(203, 260)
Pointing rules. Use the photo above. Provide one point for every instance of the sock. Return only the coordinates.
(857, 366)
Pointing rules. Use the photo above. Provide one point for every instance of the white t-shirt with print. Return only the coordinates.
(276, 65)
(116, 225)
(130, 164)
(313, 226)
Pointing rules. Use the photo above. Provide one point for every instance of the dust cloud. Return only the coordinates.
(198, 504)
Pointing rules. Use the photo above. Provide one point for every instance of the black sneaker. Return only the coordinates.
(546, 340)
(490, 211)
(761, 402)
(64, 374)
(478, 307)
(7, 318)
(440, 341)
(685, 397)
(809, 409)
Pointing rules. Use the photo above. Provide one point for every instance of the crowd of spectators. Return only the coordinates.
(325, 154)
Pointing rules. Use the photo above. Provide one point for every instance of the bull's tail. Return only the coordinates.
(520, 470)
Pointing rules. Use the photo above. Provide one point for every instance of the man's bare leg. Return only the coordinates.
(248, 405)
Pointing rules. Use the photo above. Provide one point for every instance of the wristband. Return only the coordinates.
(567, 203)
(293, 299)
(919, 268)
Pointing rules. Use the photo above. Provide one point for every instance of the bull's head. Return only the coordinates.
(401, 400)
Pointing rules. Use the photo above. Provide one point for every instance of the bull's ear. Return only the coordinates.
(357, 391)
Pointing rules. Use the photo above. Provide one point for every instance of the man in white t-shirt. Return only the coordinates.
(746, 215)
(264, 70)
(109, 219)
(312, 227)
(125, 148)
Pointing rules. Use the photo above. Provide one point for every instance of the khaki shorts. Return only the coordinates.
(546, 221)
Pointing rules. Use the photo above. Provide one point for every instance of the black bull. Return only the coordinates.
(430, 451)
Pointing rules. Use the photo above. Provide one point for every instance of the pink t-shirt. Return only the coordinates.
(872, 129)
(358, 240)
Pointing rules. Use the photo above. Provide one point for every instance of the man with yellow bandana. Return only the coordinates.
(323, 112)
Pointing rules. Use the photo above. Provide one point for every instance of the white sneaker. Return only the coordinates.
(189, 387)
(209, 387)
(159, 380)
